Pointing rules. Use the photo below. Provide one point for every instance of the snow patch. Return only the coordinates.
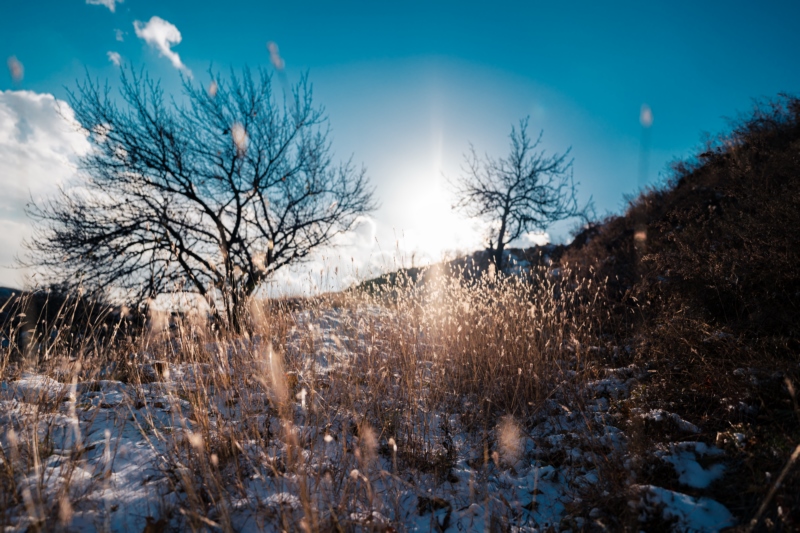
(686, 513)
(684, 458)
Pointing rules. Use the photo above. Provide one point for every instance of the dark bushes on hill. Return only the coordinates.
(704, 286)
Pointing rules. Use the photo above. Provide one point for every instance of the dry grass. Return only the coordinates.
(336, 404)
(709, 300)
(413, 402)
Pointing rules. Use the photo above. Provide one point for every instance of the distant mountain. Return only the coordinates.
(7, 292)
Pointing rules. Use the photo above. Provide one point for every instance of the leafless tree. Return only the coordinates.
(210, 194)
(526, 191)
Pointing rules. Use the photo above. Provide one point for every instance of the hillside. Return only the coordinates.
(704, 285)
(701, 286)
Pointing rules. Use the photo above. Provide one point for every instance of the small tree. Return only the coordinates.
(526, 191)
(211, 195)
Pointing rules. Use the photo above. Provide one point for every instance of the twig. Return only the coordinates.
(774, 489)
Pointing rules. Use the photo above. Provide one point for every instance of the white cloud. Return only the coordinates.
(161, 35)
(110, 4)
(354, 257)
(533, 238)
(120, 35)
(115, 58)
(39, 144)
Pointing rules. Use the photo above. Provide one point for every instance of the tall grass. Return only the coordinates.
(317, 418)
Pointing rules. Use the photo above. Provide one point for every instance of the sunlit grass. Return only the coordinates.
(319, 415)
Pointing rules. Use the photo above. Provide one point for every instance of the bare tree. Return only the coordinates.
(209, 194)
(526, 191)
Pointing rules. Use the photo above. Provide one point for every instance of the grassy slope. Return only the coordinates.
(710, 299)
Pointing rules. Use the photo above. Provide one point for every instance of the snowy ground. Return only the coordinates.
(117, 448)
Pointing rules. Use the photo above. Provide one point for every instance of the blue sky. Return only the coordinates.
(409, 85)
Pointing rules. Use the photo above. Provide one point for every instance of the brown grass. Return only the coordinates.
(710, 300)
(401, 367)
(331, 409)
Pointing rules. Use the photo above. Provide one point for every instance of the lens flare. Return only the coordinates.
(275, 56)
(16, 69)
(646, 116)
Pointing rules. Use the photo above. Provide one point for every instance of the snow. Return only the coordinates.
(30, 387)
(661, 416)
(685, 512)
(116, 466)
(684, 458)
(128, 469)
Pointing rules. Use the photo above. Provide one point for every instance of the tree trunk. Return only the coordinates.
(498, 251)
(238, 312)
(498, 256)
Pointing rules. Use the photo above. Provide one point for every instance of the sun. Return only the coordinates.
(436, 230)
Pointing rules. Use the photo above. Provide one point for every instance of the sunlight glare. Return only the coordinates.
(437, 230)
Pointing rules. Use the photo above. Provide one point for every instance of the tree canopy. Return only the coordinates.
(526, 191)
(211, 193)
